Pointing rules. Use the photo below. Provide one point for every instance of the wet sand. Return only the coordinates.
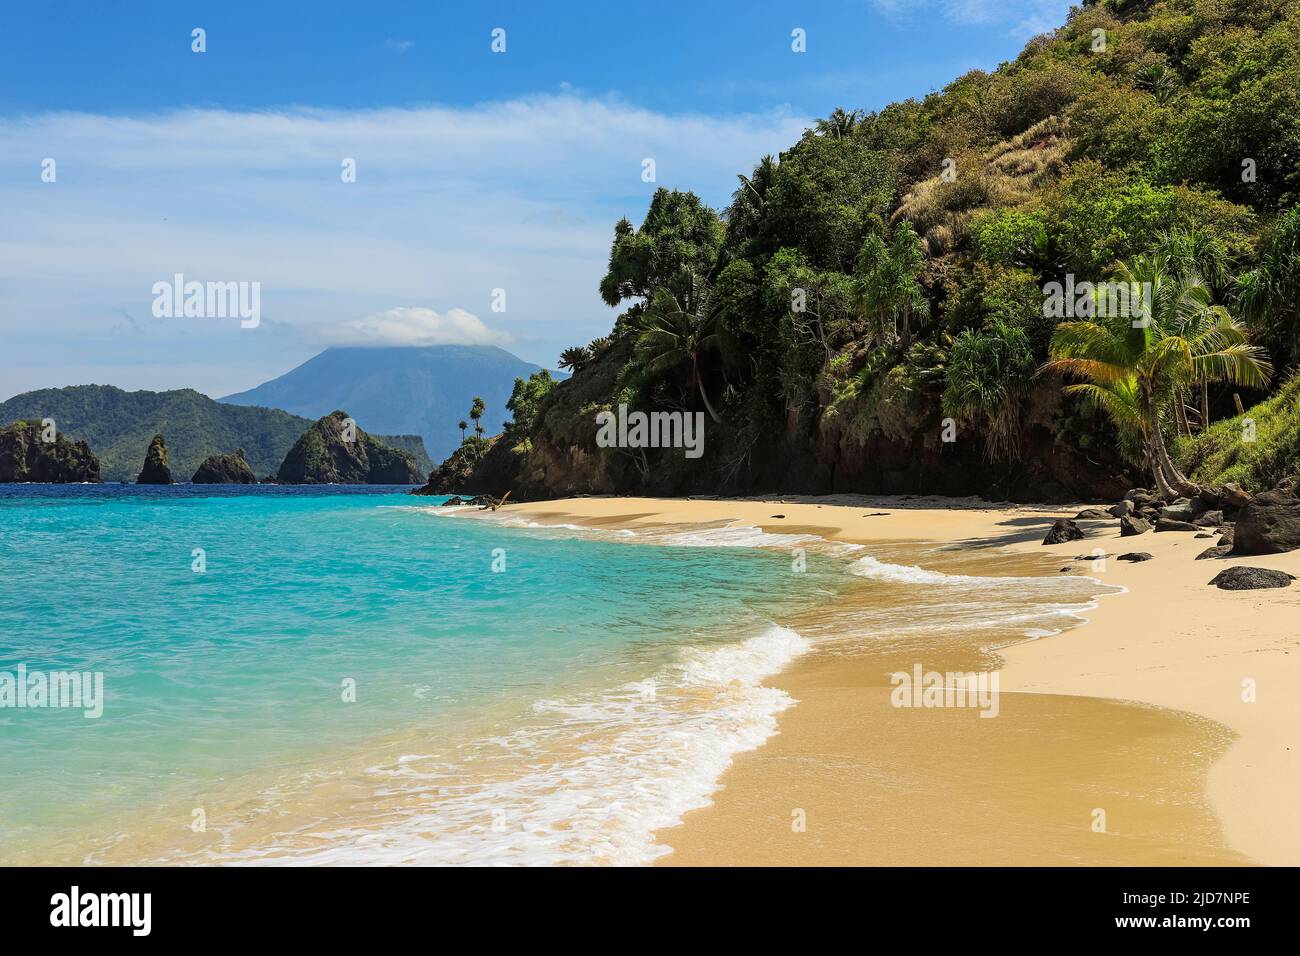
(1125, 740)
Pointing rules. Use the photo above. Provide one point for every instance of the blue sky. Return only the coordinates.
(475, 171)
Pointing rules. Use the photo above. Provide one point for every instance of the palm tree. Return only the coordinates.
(1134, 370)
(575, 357)
(675, 336)
(462, 426)
(476, 413)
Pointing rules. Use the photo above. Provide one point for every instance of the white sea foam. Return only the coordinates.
(602, 772)
(871, 567)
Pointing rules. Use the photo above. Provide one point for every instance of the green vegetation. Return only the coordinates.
(1257, 450)
(34, 451)
(118, 426)
(334, 450)
(891, 269)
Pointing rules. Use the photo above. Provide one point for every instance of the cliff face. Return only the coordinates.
(24, 456)
(225, 470)
(155, 470)
(1056, 462)
(332, 451)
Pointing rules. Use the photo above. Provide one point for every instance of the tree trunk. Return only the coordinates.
(705, 395)
(1176, 478)
(1205, 405)
(1169, 480)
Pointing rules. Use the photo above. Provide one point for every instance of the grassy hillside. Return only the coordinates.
(118, 426)
(1257, 450)
(887, 274)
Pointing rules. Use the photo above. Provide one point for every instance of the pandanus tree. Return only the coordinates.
(675, 336)
(1268, 296)
(1136, 361)
(887, 287)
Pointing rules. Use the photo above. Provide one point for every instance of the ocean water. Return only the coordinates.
(353, 675)
(420, 686)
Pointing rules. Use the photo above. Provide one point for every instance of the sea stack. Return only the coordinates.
(225, 470)
(32, 450)
(335, 450)
(155, 470)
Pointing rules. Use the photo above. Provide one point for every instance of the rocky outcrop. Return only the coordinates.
(457, 472)
(1062, 531)
(26, 456)
(225, 470)
(1135, 556)
(1091, 514)
(1269, 523)
(1169, 524)
(155, 470)
(1249, 579)
(1215, 552)
(336, 451)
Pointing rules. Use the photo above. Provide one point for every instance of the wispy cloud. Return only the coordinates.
(1022, 18)
(401, 46)
(448, 205)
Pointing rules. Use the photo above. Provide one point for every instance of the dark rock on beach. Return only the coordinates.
(1169, 524)
(1091, 514)
(1269, 523)
(225, 470)
(25, 456)
(1135, 556)
(155, 470)
(1062, 531)
(1122, 509)
(1249, 579)
(1130, 526)
(1216, 552)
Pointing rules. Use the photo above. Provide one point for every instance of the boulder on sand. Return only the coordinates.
(1215, 552)
(1129, 526)
(1125, 507)
(1090, 514)
(1249, 579)
(1062, 531)
(1269, 523)
(1168, 524)
(1135, 556)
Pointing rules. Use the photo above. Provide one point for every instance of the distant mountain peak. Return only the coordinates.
(412, 390)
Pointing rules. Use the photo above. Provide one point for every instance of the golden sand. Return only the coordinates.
(1133, 739)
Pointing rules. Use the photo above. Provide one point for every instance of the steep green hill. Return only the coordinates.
(872, 312)
(118, 426)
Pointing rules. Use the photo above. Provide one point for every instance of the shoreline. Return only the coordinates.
(1194, 774)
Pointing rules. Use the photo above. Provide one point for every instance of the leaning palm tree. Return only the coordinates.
(676, 336)
(1134, 369)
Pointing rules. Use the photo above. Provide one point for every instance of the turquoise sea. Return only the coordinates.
(353, 675)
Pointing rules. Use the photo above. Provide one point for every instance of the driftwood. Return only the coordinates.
(498, 504)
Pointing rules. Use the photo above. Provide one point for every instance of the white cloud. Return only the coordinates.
(448, 204)
(414, 326)
(1024, 18)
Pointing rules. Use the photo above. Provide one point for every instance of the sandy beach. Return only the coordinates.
(1161, 730)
